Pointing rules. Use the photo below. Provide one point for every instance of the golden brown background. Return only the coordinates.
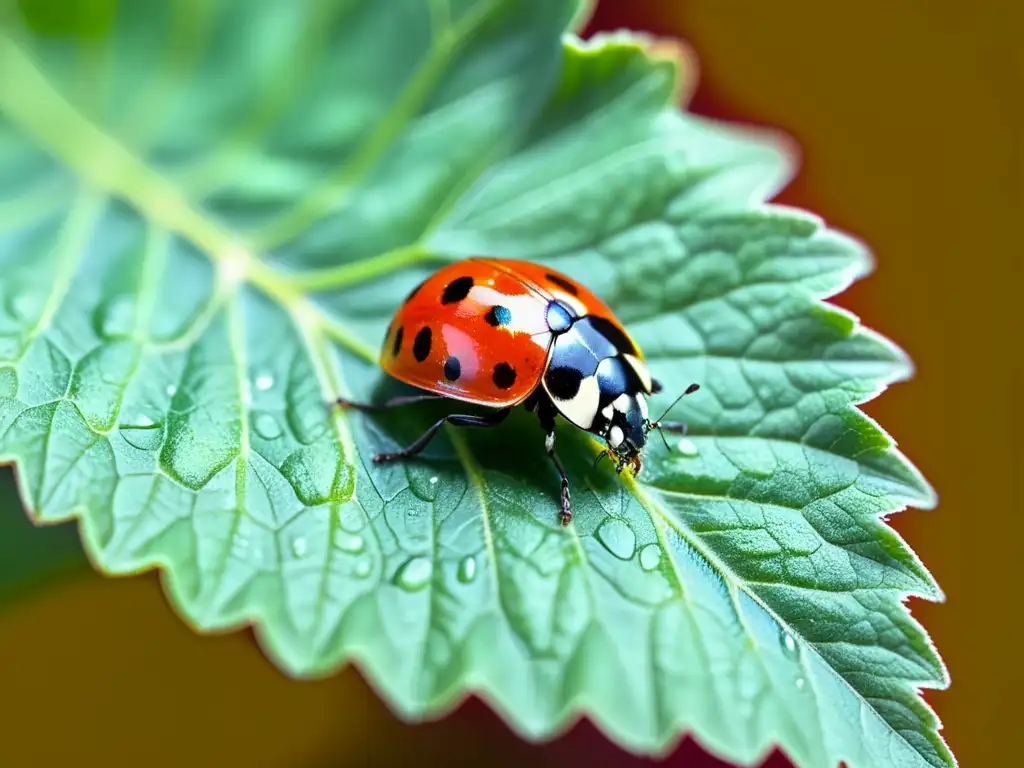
(909, 114)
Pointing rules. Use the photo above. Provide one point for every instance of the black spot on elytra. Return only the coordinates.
(504, 376)
(397, 346)
(456, 290)
(421, 344)
(616, 337)
(562, 283)
(498, 315)
(563, 383)
(452, 368)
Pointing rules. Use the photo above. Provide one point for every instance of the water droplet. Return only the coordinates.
(352, 518)
(788, 644)
(617, 537)
(800, 683)
(650, 556)
(433, 480)
(26, 307)
(467, 569)
(363, 568)
(264, 382)
(8, 382)
(687, 447)
(266, 426)
(414, 574)
(348, 542)
(146, 436)
(299, 546)
(181, 402)
(115, 318)
(171, 389)
(241, 542)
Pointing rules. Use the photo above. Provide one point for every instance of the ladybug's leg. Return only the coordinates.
(456, 420)
(546, 413)
(393, 402)
(549, 443)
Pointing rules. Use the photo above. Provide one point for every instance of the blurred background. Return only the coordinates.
(909, 114)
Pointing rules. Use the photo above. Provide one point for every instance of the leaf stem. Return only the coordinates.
(28, 99)
(343, 275)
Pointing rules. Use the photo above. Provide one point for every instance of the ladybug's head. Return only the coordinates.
(627, 431)
(629, 427)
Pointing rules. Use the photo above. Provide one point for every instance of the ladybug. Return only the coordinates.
(501, 333)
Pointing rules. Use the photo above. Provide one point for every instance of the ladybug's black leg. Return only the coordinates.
(393, 402)
(549, 443)
(546, 413)
(456, 420)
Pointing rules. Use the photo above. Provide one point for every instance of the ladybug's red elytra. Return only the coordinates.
(501, 333)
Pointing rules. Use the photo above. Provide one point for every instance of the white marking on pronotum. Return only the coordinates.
(581, 408)
(642, 402)
(607, 411)
(641, 370)
(615, 437)
(568, 299)
(622, 402)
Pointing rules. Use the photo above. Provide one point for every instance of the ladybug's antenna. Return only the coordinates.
(663, 438)
(656, 424)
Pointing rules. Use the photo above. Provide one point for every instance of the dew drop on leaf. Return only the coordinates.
(363, 568)
(8, 382)
(115, 318)
(146, 436)
(264, 381)
(650, 556)
(800, 683)
(617, 537)
(266, 426)
(352, 518)
(467, 569)
(171, 389)
(687, 447)
(182, 402)
(414, 574)
(788, 643)
(299, 546)
(25, 307)
(433, 480)
(349, 542)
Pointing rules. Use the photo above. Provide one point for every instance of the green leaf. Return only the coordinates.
(210, 212)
